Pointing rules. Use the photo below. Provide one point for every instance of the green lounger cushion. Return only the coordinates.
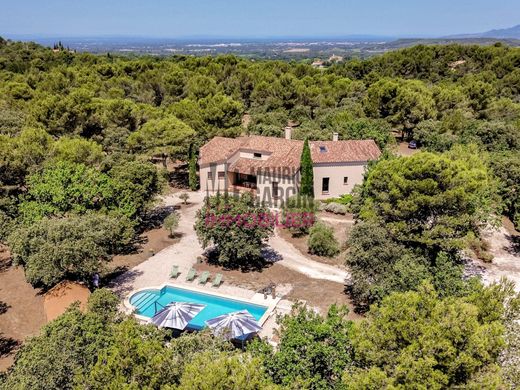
(204, 277)
(218, 280)
(191, 275)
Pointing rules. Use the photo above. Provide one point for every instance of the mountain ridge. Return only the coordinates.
(507, 33)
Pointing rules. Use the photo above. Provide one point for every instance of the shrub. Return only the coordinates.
(506, 167)
(388, 341)
(314, 350)
(184, 197)
(380, 265)
(171, 222)
(8, 214)
(322, 241)
(225, 370)
(104, 303)
(336, 208)
(344, 199)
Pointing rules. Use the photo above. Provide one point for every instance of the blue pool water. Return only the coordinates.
(148, 302)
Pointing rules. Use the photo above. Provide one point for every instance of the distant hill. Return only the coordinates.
(361, 46)
(504, 33)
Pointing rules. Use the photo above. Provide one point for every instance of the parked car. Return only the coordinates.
(412, 145)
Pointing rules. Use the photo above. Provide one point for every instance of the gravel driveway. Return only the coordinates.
(155, 271)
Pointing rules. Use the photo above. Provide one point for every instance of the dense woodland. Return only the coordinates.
(77, 135)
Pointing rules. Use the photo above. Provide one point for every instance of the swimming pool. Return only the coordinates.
(147, 302)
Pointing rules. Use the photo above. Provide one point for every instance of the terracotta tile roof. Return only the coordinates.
(344, 151)
(218, 149)
(284, 152)
(246, 166)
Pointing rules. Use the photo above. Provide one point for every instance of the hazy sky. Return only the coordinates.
(254, 18)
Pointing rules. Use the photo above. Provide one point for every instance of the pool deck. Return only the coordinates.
(156, 270)
(256, 299)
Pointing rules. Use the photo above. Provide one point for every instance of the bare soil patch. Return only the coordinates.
(21, 313)
(316, 292)
(339, 218)
(504, 245)
(60, 297)
(510, 228)
(23, 308)
(246, 120)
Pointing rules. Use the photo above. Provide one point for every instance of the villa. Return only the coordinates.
(269, 167)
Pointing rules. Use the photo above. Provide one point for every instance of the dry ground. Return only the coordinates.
(60, 297)
(152, 241)
(316, 292)
(505, 247)
(22, 311)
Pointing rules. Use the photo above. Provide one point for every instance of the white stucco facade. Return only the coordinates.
(268, 167)
(342, 177)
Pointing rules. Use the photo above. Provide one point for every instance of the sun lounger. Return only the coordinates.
(204, 277)
(217, 281)
(174, 272)
(191, 275)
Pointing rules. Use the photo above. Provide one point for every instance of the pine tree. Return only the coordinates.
(307, 178)
(192, 173)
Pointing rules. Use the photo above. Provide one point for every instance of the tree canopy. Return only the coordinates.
(307, 178)
(237, 226)
(431, 200)
(78, 132)
(73, 247)
(413, 340)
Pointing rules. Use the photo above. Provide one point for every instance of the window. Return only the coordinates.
(325, 185)
(210, 176)
(275, 189)
(257, 155)
(323, 149)
(345, 180)
(221, 174)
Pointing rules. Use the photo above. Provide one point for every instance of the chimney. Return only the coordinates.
(335, 136)
(288, 131)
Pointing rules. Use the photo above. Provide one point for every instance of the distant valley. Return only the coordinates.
(362, 46)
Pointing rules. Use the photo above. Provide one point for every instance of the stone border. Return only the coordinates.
(256, 299)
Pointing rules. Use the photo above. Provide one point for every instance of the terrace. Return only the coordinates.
(296, 277)
(240, 182)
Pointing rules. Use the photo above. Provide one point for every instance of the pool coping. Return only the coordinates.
(256, 299)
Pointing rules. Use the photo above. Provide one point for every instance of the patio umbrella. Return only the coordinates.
(176, 315)
(234, 325)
